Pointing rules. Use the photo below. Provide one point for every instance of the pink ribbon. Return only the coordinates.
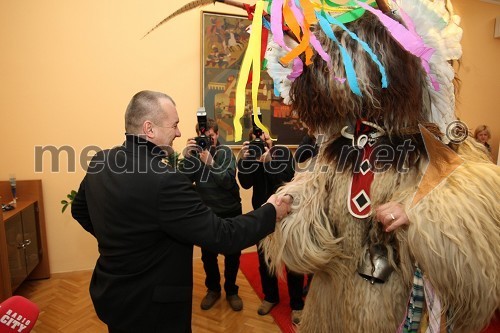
(407, 38)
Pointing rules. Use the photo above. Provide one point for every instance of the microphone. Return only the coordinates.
(18, 314)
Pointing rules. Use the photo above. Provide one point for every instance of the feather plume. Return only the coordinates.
(439, 27)
(183, 9)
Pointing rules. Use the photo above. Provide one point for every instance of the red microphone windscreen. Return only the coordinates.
(18, 314)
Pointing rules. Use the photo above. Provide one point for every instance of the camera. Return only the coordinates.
(203, 141)
(256, 146)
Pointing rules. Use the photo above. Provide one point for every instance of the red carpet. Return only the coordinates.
(494, 326)
(249, 265)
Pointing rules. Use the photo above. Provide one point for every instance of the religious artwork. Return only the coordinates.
(224, 42)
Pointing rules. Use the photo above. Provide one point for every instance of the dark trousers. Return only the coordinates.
(112, 330)
(211, 266)
(270, 289)
(231, 266)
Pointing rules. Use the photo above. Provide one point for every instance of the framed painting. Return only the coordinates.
(224, 41)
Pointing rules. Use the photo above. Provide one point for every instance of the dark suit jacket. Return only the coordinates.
(146, 218)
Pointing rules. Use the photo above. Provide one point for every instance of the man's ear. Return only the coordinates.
(147, 128)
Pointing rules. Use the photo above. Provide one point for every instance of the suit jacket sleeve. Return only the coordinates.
(186, 218)
(224, 168)
(79, 209)
(248, 172)
(280, 169)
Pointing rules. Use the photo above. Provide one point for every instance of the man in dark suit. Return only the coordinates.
(146, 218)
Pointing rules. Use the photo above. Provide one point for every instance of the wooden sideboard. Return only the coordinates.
(23, 238)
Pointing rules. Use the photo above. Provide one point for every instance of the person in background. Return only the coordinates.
(482, 135)
(146, 217)
(265, 173)
(213, 170)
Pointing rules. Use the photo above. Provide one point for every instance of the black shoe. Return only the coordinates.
(235, 302)
(265, 307)
(209, 300)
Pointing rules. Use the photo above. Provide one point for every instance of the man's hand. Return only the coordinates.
(206, 158)
(191, 147)
(267, 156)
(282, 204)
(244, 150)
(392, 215)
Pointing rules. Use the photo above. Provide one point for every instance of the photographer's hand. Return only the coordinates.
(206, 158)
(266, 156)
(244, 150)
(267, 139)
(191, 147)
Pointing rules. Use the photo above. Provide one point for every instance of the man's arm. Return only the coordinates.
(184, 217)
(223, 170)
(280, 169)
(79, 209)
(248, 171)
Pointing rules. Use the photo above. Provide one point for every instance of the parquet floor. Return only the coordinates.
(65, 306)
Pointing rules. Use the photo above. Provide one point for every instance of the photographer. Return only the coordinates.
(264, 171)
(212, 168)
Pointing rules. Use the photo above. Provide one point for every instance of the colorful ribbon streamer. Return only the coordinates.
(251, 60)
(363, 44)
(409, 41)
(348, 65)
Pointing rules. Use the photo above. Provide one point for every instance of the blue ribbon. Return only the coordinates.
(363, 44)
(346, 59)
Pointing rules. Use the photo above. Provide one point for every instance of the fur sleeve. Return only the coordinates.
(305, 240)
(454, 235)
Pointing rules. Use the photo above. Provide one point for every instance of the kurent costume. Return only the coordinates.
(386, 110)
(376, 83)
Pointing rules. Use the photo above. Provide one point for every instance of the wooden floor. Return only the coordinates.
(65, 306)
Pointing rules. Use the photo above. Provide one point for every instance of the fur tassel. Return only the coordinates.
(183, 9)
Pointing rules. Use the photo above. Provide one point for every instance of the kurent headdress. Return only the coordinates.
(358, 72)
(299, 31)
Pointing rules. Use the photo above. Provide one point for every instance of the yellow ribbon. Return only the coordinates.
(250, 60)
(340, 9)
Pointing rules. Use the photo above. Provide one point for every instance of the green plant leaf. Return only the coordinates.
(71, 196)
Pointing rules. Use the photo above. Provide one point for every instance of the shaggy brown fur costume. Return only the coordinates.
(454, 231)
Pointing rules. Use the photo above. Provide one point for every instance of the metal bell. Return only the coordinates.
(374, 265)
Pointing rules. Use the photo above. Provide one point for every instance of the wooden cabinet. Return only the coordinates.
(23, 241)
(22, 244)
